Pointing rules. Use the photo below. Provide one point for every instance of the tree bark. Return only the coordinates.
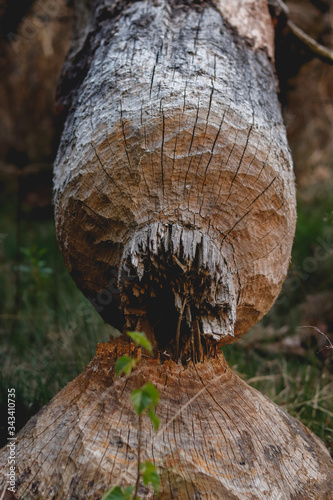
(173, 180)
(175, 212)
(218, 438)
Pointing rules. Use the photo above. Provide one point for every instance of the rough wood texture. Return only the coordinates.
(219, 438)
(174, 188)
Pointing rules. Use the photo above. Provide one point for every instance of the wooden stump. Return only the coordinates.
(218, 438)
(175, 214)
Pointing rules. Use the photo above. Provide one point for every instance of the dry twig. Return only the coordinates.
(316, 48)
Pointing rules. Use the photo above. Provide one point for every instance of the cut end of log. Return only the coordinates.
(174, 175)
(180, 288)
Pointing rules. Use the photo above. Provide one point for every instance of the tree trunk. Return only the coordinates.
(218, 438)
(174, 189)
(175, 212)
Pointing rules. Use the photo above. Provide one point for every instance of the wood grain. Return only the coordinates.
(218, 439)
(175, 148)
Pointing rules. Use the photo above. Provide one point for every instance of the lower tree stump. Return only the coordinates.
(218, 438)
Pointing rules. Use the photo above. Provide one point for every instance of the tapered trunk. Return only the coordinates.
(218, 439)
(174, 189)
(175, 212)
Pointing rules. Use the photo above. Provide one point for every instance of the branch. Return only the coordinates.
(316, 48)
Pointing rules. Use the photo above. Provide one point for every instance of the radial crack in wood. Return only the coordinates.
(218, 438)
(173, 173)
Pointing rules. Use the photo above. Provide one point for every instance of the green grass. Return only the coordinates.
(302, 386)
(53, 334)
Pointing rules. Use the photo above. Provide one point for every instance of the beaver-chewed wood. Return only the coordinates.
(174, 190)
(219, 439)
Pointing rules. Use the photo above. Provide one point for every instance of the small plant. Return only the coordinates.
(144, 400)
(33, 279)
(34, 274)
(35, 266)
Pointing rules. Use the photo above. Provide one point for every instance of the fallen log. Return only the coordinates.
(174, 188)
(175, 214)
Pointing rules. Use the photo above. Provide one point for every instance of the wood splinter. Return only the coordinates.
(180, 319)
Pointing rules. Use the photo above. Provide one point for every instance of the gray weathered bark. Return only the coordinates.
(175, 211)
(174, 173)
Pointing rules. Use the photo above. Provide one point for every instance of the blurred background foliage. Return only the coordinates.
(49, 331)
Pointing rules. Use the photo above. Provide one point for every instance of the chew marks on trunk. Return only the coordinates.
(174, 147)
(175, 198)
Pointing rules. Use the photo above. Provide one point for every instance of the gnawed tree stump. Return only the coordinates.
(174, 190)
(218, 438)
(175, 213)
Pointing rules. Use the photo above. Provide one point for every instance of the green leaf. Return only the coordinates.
(125, 364)
(128, 492)
(150, 475)
(144, 398)
(27, 252)
(139, 338)
(45, 271)
(118, 493)
(41, 252)
(153, 392)
(154, 419)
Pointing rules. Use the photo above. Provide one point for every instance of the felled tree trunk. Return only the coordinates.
(218, 439)
(175, 212)
(174, 190)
